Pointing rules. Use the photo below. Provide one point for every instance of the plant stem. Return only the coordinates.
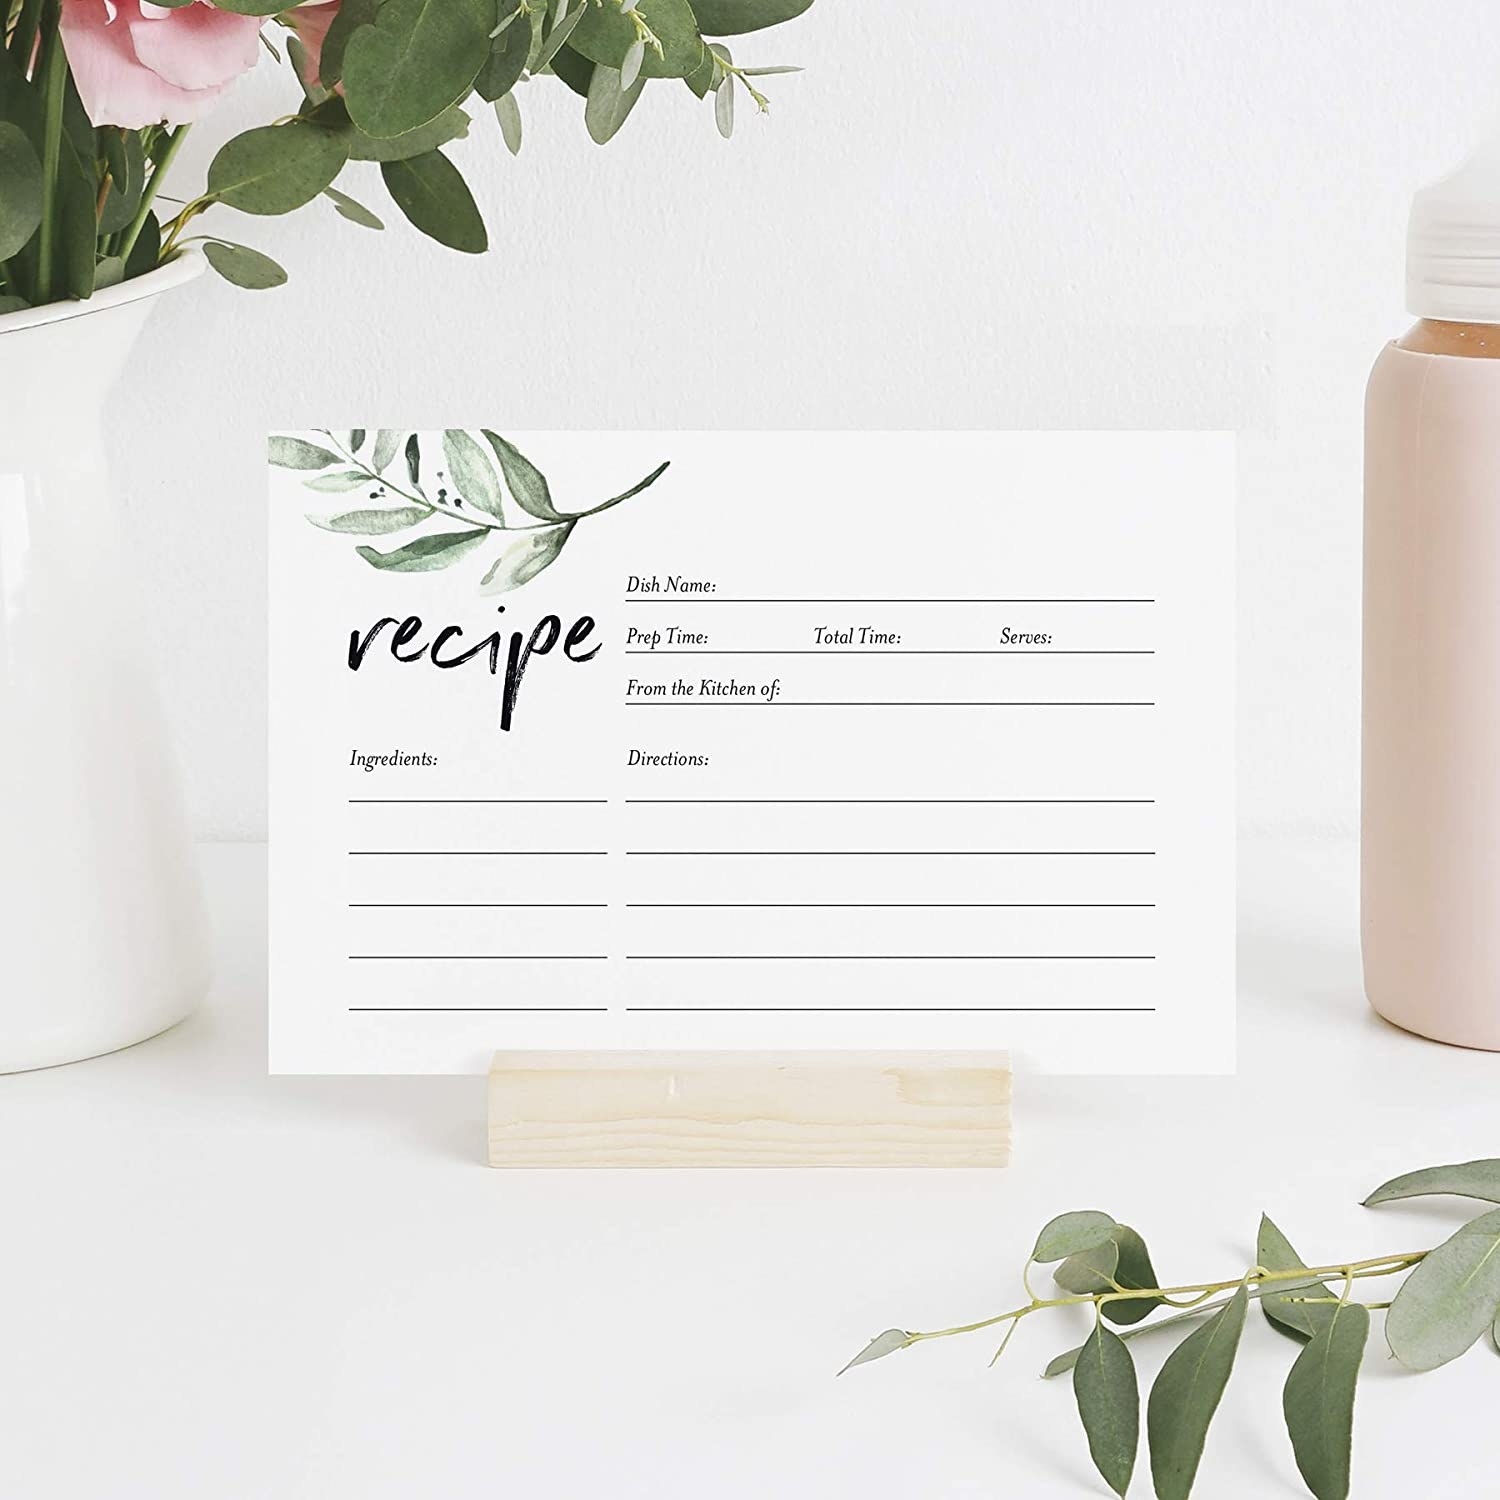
(54, 74)
(1350, 1271)
(148, 193)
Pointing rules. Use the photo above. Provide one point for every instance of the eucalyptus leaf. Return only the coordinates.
(1468, 1179)
(110, 271)
(542, 57)
(298, 453)
(243, 266)
(451, 125)
(724, 106)
(1301, 1319)
(1185, 1396)
(505, 64)
(146, 251)
(526, 555)
(605, 34)
(432, 194)
(353, 210)
(350, 16)
(508, 113)
(1089, 1271)
(1109, 1404)
(526, 483)
(735, 17)
(413, 61)
(630, 69)
(341, 481)
(373, 522)
(1449, 1299)
(427, 553)
(609, 102)
(10, 303)
(1072, 1234)
(387, 445)
(879, 1346)
(275, 169)
(472, 473)
(574, 69)
(1133, 1272)
(1318, 1400)
(20, 190)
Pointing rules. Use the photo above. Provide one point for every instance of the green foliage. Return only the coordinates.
(465, 490)
(81, 206)
(1449, 1299)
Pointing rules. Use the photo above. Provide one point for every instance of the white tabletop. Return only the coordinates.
(223, 1285)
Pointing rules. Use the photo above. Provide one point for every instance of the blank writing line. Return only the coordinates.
(575, 853)
(889, 703)
(894, 801)
(482, 905)
(589, 1010)
(717, 599)
(480, 957)
(881, 651)
(845, 958)
(486, 801)
(901, 853)
(900, 1009)
(899, 905)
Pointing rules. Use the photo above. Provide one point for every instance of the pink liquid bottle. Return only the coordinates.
(1430, 857)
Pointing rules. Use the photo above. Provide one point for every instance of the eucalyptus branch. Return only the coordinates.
(164, 161)
(1449, 1299)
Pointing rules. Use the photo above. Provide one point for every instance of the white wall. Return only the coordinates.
(997, 214)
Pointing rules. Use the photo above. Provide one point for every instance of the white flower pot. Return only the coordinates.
(103, 936)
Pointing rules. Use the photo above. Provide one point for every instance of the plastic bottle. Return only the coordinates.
(1430, 858)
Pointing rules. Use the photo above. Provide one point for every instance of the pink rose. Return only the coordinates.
(311, 23)
(139, 64)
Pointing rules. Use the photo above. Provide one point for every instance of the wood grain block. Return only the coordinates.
(749, 1109)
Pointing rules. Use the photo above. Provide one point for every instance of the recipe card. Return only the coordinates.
(790, 740)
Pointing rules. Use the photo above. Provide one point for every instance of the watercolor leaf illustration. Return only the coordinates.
(476, 495)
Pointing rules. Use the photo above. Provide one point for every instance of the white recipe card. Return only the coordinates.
(782, 740)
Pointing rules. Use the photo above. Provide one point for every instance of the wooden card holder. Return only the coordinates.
(747, 1109)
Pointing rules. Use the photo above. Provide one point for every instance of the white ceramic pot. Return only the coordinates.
(103, 936)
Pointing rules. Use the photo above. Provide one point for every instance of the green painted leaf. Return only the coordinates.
(243, 266)
(340, 482)
(574, 69)
(387, 445)
(1072, 1234)
(525, 555)
(724, 106)
(356, 439)
(1300, 1319)
(1468, 1179)
(508, 113)
(427, 553)
(413, 453)
(879, 1346)
(416, 59)
(275, 169)
(735, 17)
(1318, 1400)
(609, 102)
(1448, 1301)
(352, 14)
(1185, 1396)
(298, 453)
(526, 483)
(373, 522)
(471, 473)
(506, 62)
(432, 194)
(605, 34)
(20, 190)
(1109, 1405)
(353, 210)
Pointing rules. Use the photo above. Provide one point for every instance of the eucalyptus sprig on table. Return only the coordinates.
(85, 152)
(472, 492)
(1449, 1299)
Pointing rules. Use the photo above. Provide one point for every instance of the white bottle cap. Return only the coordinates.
(1453, 244)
